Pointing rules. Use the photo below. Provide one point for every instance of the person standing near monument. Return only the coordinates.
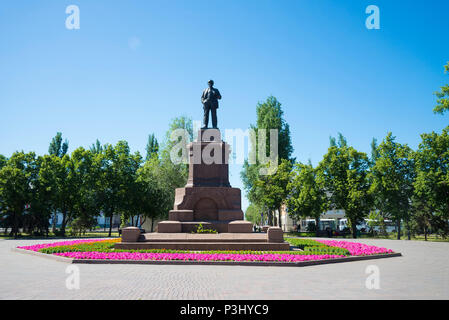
(210, 99)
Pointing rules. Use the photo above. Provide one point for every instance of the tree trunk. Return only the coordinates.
(152, 223)
(425, 233)
(63, 224)
(409, 235)
(270, 218)
(399, 229)
(55, 216)
(15, 225)
(354, 230)
(110, 224)
(317, 227)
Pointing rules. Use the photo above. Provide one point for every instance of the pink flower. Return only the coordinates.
(194, 256)
(356, 249)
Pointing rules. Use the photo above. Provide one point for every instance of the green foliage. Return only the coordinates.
(16, 187)
(311, 227)
(152, 147)
(57, 147)
(443, 96)
(154, 189)
(391, 179)
(97, 147)
(3, 161)
(271, 116)
(253, 214)
(269, 191)
(377, 219)
(343, 173)
(307, 197)
(116, 180)
(81, 224)
(431, 186)
(201, 229)
(274, 186)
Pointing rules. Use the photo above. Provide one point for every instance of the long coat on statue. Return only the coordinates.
(210, 98)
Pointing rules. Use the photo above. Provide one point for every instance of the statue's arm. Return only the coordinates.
(203, 97)
(218, 95)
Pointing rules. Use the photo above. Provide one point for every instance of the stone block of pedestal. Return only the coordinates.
(169, 227)
(230, 214)
(240, 227)
(180, 215)
(275, 234)
(130, 234)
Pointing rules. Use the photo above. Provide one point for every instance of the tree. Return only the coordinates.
(117, 190)
(343, 174)
(97, 147)
(443, 96)
(431, 186)
(422, 216)
(377, 219)
(16, 187)
(152, 146)
(3, 161)
(260, 189)
(66, 189)
(271, 116)
(391, 179)
(254, 214)
(155, 191)
(44, 193)
(374, 152)
(307, 197)
(57, 147)
(86, 173)
(174, 175)
(274, 187)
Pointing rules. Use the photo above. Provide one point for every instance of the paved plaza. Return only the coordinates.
(421, 273)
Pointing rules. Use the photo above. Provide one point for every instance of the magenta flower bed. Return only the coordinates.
(356, 249)
(194, 256)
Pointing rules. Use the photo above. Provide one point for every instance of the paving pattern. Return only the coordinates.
(421, 273)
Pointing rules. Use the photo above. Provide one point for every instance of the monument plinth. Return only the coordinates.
(208, 197)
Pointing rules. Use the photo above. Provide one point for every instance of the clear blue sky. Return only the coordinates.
(134, 65)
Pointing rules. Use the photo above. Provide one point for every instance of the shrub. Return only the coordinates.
(201, 229)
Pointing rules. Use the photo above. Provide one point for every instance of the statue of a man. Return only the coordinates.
(210, 99)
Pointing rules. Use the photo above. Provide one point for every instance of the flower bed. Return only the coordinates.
(97, 249)
(356, 249)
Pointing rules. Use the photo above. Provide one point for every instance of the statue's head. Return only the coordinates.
(210, 83)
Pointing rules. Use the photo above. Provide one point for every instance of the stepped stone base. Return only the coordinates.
(217, 225)
(218, 241)
(259, 246)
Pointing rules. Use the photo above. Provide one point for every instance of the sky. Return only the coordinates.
(133, 66)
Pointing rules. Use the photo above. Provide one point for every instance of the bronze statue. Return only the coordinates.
(210, 99)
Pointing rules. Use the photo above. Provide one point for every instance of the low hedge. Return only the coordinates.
(314, 247)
